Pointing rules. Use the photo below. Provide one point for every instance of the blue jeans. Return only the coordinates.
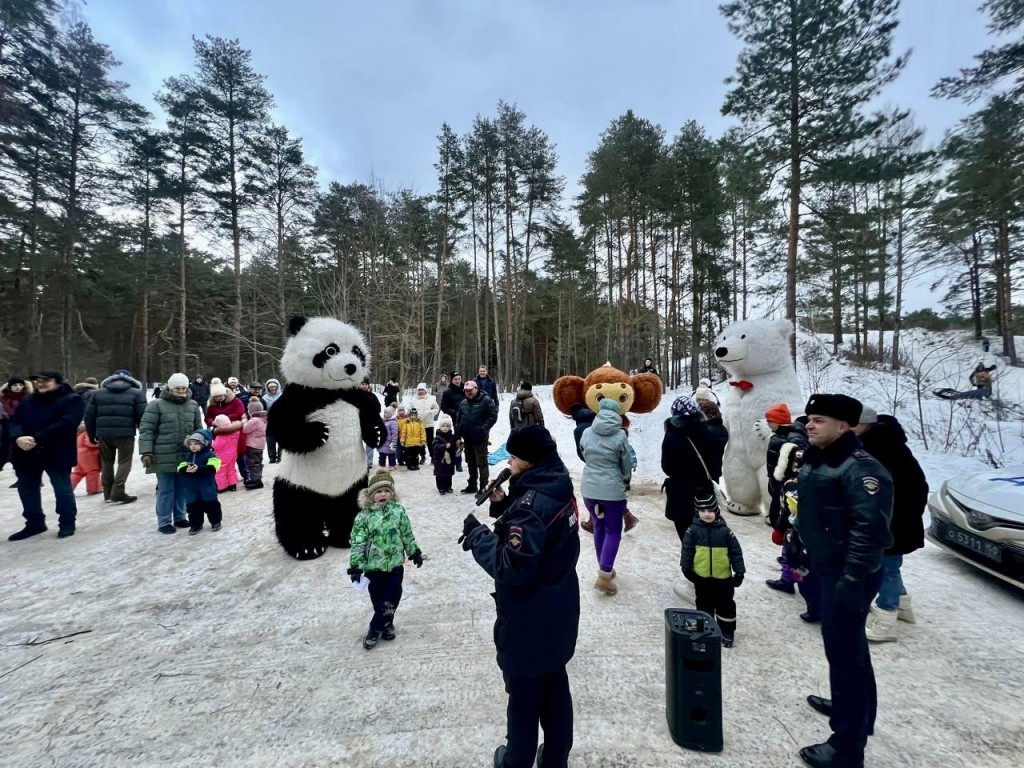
(892, 583)
(29, 481)
(170, 498)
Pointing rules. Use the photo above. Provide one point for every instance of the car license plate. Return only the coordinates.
(974, 543)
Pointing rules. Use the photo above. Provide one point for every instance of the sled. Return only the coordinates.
(499, 455)
(948, 393)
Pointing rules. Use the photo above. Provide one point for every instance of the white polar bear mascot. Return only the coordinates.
(755, 354)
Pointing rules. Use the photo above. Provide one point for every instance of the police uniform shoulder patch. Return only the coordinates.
(527, 499)
(515, 537)
(860, 454)
(871, 484)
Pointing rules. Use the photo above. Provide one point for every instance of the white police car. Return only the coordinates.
(980, 519)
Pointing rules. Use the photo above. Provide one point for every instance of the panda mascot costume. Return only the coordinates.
(320, 422)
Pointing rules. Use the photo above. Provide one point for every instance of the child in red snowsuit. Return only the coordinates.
(88, 463)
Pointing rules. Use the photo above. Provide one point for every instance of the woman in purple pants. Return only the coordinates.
(607, 471)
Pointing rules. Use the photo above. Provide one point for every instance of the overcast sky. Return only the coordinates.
(367, 83)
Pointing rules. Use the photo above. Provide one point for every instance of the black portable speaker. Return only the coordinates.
(693, 679)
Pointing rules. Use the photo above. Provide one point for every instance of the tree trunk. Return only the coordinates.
(794, 177)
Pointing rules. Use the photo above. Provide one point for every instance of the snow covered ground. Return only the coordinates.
(218, 649)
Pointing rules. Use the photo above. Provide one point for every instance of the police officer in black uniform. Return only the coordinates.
(845, 505)
(532, 554)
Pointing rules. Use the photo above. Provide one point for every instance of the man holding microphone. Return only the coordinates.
(531, 555)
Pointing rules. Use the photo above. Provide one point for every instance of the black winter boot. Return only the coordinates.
(27, 532)
(370, 641)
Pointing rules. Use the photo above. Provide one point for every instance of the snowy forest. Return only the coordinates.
(183, 239)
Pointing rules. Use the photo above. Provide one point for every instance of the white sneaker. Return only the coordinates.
(906, 611)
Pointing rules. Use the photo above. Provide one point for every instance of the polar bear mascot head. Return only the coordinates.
(755, 354)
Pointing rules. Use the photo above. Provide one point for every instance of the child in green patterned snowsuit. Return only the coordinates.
(381, 540)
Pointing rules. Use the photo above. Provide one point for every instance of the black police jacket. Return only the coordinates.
(532, 554)
(844, 507)
(887, 442)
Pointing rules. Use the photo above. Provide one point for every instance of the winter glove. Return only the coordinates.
(355, 574)
(849, 594)
(417, 558)
(778, 538)
(689, 574)
(737, 579)
(393, 446)
(469, 525)
(147, 460)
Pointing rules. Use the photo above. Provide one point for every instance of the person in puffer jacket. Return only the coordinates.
(255, 430)
(442, 452)
(713, 560)
(414, 440)
(271, 395)
(387, 453)
(382, 539)
(197, 472)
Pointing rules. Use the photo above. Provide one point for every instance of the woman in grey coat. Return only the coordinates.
(605, 476)
(166, 423)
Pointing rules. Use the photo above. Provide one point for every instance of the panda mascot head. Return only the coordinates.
(322, 423)
(325, 353)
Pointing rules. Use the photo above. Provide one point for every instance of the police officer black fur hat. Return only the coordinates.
(840, 407)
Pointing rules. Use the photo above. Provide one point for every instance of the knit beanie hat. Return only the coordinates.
(710, 409)
(444, 420)
(533, 444)
(779, 414)
(91, 380)
(221, 420)
(702, 393)
(389, 412)
(255, 406)
(177, 380)
(216, 390)
(610, 405)
(704, 501)
(380, 480)
(15, 380)
(868, 415)
(840, 407)
(215, 380)
(684, 406)
(422, 385)
(233, 380)
(123, 372)
(201, 436)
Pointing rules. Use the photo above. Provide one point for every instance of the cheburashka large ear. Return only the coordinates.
(295, 324)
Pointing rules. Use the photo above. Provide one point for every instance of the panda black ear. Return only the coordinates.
(295, 324)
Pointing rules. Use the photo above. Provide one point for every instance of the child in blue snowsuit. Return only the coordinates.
(198, 467)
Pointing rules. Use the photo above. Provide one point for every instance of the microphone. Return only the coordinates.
(504, 475)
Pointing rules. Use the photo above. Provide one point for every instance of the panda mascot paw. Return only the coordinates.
(320, 423)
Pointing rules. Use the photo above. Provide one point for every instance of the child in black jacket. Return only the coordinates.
(443, 454)
(713, 560)
(198, 467)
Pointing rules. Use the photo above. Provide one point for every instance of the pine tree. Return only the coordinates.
(807, 70)
(995, 64)
(235, 106)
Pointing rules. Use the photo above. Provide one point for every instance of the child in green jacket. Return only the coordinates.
(381, 540)
(713, 560)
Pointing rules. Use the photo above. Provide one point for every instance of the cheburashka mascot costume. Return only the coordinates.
(320, 422)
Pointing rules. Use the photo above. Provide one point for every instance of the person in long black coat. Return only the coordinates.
(532, 555)
(687, 434)
(883, 437)
(45, 433)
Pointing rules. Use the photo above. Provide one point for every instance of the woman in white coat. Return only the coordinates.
(427, 409)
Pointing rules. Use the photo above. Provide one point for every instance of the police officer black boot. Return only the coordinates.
(826, 756)
(824, 706)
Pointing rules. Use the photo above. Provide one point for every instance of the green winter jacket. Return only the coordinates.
(381, 538)
(166, 422)
(711, 550)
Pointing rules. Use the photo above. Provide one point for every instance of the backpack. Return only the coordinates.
(517, 414)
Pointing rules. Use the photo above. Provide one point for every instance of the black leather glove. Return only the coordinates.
(469, 525)
(737, 579)
(689, 574)
(417, 558)
(849, 594)
(355, 574)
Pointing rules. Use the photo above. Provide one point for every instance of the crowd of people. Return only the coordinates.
(198, 438)
(846, 501)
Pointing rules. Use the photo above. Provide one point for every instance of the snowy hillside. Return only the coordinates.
(218, 649)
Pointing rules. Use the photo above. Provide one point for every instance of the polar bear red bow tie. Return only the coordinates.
(743, 384)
